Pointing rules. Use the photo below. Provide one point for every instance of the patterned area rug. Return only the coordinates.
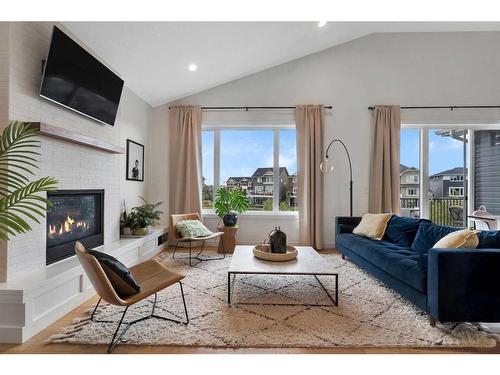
(369, 314)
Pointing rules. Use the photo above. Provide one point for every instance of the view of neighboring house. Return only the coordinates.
(260, 186)
(448, 183)
(409, 182)
(242, 182)
(293, 187)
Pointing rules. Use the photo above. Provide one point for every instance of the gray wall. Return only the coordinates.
(487, 170)
(405, 68)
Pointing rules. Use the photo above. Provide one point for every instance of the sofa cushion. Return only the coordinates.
(372, 226)
(428, 234)
(398, 261)
(489, 239)
(460, 239)
(402, 230)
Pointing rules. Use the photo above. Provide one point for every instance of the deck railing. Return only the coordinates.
(439, 209)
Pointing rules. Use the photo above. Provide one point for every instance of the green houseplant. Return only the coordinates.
(229, 203)
(20, 199)
(142, 217)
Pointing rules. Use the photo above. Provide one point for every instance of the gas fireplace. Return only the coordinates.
(76, 215)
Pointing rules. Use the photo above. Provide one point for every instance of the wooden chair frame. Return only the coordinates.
(152, 278)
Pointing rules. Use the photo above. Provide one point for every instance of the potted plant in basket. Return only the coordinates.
(141, 218)
(229, 203)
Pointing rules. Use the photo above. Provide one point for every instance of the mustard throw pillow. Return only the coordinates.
(465, 238)
(372, 226)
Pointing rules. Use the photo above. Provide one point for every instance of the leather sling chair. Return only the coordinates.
(151, 276)
(174, 219)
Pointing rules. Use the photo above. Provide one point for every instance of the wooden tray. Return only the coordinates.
(263, 252)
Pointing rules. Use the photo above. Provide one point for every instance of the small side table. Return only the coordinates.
(228, 238)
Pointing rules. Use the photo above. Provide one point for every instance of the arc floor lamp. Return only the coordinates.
(327, 167)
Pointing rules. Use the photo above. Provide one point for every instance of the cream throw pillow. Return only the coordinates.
(372, 226)
(465, 238)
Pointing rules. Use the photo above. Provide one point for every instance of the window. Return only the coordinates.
(259, 160)
(207, 139)
(456, 191)
(409, 172)
(443, 152)
(412, 179)
(288, 170)
(412, 192)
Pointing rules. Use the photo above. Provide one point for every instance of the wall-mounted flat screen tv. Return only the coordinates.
(76, 80)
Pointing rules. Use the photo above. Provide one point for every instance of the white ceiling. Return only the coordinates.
(152, 57)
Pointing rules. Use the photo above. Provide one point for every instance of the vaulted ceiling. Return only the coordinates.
(153, 57)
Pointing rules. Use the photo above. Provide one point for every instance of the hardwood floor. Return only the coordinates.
(37, 344)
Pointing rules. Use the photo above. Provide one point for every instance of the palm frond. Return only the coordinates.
(16, 156)
(18, 205)
(19, 198)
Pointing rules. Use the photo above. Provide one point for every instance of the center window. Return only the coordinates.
(260, 161)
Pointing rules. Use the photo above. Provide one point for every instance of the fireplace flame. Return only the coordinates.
(69, 225)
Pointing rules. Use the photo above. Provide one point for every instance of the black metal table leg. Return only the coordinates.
(228, 288)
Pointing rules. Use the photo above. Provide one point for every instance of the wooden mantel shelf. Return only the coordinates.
(74, 137)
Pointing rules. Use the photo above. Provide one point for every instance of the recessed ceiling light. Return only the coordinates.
(192, 67)
(321, 23)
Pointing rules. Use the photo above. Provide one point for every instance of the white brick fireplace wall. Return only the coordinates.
(75, 167)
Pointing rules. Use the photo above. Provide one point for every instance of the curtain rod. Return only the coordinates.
(247, 108)
(450, 107)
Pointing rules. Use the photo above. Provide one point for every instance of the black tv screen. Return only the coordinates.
(77, 80)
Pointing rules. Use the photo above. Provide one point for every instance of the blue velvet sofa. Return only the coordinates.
(451, 285)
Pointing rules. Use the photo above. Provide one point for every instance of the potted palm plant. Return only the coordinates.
(229, 203)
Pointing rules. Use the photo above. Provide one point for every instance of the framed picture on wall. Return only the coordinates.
(135, 161)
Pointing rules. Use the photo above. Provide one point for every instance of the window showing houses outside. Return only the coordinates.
(446, 176)
(207, 140)
(288, 170)
(246, 156)
(409, 172)
(445, 154)
(247, 162)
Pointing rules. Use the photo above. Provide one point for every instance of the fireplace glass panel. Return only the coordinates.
(74, 216)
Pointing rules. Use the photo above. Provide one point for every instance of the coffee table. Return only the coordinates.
(308, 262)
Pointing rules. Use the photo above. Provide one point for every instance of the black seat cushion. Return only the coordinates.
(398, 261)
(118, 274)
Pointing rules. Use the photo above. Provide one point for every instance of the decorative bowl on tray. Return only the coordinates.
(263, 252)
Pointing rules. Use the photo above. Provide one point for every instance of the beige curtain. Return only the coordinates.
(184, 160)
(384, 178)
(309, 122)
